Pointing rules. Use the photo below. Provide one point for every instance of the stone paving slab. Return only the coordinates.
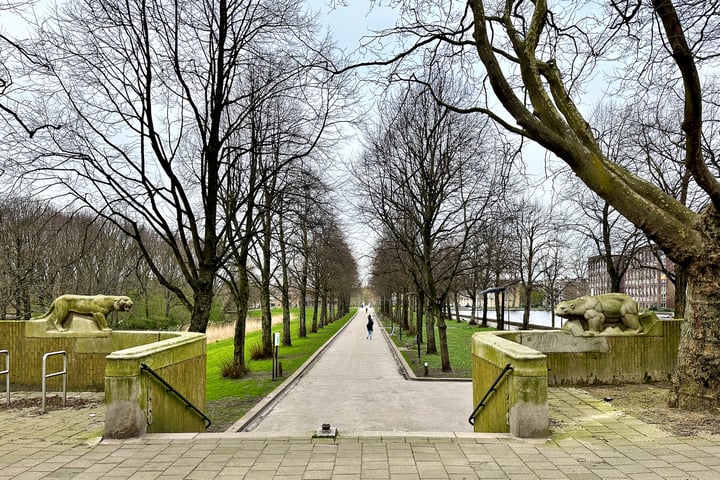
(356, 386)
(205, 456)
(590, 440)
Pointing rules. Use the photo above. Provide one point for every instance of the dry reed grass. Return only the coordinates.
(227, 330)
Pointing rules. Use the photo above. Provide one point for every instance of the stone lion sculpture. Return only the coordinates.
(97, 306)
(600, 310)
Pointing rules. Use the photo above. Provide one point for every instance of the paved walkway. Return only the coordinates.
(590, 440)
(356, 386)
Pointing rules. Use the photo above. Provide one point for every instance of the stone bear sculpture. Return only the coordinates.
(600, 310)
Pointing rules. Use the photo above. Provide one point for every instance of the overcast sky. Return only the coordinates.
(348, 24)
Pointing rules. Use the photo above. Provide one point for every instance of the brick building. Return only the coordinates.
(644, 280)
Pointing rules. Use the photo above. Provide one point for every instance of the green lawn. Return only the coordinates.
(459, 346)
(228, 400)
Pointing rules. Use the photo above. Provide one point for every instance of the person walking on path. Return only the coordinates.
(352, 373)
(369, 327)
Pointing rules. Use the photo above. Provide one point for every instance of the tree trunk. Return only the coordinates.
(457, 308)
(473, 307)
(444, 352)
(696, 382)
(499, 311)
(431, 347)
(302, 321)
(266, 321)
(203, 298)
(323, 310)
(420, 313)
(242, 294)
(265, 278)
(18, 305)
(404, 321)
(27, 306)
(680, 291)
(397, 311)
(316, 299)
(552, 304)
(613, 276)
(526, 310)
(285, 291)
(147, 304)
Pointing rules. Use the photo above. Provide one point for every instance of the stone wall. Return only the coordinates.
(519, 403)
(606, 359)
(559, 357)
(111, 361)
(86, 354)
(138, 403)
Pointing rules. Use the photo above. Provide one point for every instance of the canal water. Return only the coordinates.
(541, 318)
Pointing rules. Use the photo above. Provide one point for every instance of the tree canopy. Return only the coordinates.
(533, 68)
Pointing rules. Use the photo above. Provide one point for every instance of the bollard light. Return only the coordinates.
(326, 431)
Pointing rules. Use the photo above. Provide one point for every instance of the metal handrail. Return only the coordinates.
(46, 375)
(471, 418)
(6, 372)
(170, 389)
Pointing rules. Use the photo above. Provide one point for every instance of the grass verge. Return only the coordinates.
(459, 346)
(228, 400)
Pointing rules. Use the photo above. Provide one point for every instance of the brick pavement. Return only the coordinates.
(590, 440)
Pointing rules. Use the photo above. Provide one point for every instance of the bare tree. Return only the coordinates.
(614, 239)
(427, 179)
(18, 62)
(306, 202)
(26, 246)
(534, 42)
(281, 124)
(389, 276)
(537, 63)
(553, 276)
(661, 157)
(534, 230)
(335, 274)
(149, 95)
(308, 213)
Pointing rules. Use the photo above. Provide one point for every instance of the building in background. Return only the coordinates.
(645, 279)
(574, 288)
(598, 281)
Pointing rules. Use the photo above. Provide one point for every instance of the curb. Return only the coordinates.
(257, 412)
(405, 369)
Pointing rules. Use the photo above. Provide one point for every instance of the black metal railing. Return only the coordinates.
(492, 389)
(172, 390)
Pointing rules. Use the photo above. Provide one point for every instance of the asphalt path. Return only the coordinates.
(357, 387)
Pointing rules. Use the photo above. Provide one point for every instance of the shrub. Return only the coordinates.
(231, 370)
(257, 352)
